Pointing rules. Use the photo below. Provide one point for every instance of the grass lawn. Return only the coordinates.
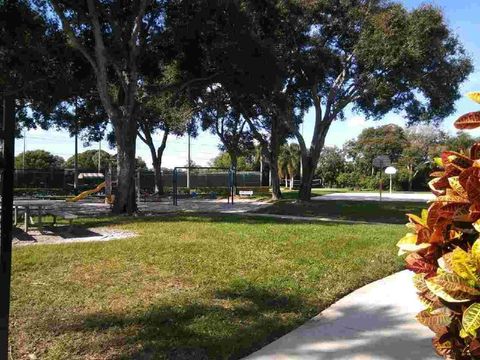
(293, 194)
(370, 211)
(189, 286)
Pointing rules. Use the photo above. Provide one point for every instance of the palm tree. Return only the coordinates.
(289, 163)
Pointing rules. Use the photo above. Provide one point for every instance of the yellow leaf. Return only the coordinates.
(463, 334)
(419, 283)
(476, 225)
(451, 288)
(408, 244)
(464, 265)
(474, 95)
(438, 161)
(457, 187)
(476, 252)
(471, 319)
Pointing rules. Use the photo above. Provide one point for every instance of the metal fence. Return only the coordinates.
(63, 179)
(199, 179)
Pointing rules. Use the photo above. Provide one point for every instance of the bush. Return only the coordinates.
(443, 250)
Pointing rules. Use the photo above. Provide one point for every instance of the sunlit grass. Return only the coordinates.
(188, 287)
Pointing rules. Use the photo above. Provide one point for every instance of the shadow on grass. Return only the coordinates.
(236, 321)
(212, 217)
(365, 211)
(240, 320)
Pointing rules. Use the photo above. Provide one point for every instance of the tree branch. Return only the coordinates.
(71, 36)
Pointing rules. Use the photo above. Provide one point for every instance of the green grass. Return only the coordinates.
(293, 194)
(369, 211)
(189, 286)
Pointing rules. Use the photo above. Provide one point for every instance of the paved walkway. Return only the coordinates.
(374, 196)
(376, 322)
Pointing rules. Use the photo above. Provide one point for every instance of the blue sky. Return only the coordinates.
(462, 17)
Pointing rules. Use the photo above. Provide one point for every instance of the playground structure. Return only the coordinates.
(86, 193)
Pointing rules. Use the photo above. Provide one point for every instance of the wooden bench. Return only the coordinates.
(63, 214)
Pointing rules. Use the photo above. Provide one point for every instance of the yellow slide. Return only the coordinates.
(84, 194)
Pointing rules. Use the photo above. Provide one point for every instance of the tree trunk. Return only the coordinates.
(410, 178)
(157, 171)
(291, 182)
(126, 135)
(305, 192)
(275, 179)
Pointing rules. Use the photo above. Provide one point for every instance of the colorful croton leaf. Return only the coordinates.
(442, 248)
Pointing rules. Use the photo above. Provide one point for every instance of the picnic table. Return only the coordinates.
(32, 208)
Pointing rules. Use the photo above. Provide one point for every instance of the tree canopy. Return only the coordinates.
(38, 159)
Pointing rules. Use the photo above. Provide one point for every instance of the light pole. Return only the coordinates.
(75, 161)
(188, 161)
(24, 149)
(7, 166)
(99, 156)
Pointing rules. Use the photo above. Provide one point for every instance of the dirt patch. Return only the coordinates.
(65, 235)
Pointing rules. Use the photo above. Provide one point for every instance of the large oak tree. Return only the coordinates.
(374, 57)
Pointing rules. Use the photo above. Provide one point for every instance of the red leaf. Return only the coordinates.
(468, 121)
(419, 265)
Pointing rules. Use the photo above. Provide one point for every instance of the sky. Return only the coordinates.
(462, 17)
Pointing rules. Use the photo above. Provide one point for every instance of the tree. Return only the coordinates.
(245, 162)
(289, 163)
(423, 143)
(88, 160)
(460, 142)
(389, 140)
(248, 46)
(168, 113)
(331, 164)
(375, 57)
(217, 114)
(38, 159)
(118, 41)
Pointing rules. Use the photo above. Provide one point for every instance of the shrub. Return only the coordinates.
(443, 250)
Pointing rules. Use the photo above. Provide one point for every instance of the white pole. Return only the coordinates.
(390, 183)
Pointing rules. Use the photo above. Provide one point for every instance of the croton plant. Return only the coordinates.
(443, 249)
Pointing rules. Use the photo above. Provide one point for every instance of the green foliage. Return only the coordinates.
(39, 159)
(89, 160)
(244, 162)
(289, 161)
(331, 165)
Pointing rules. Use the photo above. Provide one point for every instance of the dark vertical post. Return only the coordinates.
(8, 118)
(174, 186)
(75, 162)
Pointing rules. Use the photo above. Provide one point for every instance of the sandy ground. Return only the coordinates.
(62, 235)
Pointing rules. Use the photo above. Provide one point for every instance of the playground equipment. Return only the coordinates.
(199, 178)
(86, 193)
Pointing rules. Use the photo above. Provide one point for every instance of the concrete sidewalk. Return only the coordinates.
(376, 322)
(374, 196)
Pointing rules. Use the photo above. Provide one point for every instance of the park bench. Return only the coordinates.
(65, 215)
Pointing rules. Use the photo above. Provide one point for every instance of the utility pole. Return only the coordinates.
(189, 161)
(24, 148)
(7, 141)
(301, 162)
(99, 156)
(75, 161)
